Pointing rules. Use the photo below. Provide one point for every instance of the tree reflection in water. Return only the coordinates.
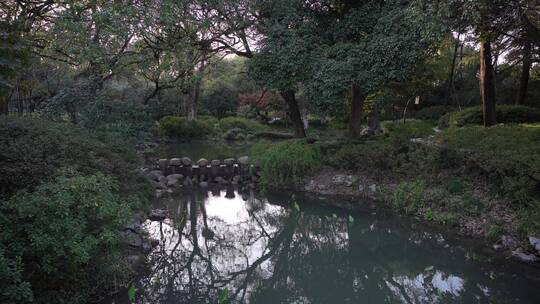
(265, 252)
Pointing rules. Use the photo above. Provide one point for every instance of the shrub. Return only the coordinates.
(384, 153)
(506, 153)
(412, 128)
(33, 150)
(371, 156)
(505, 114)
(183, 129)
(434, 112)
(127, 119)
(67, 231)
(248, 125)
(286, 163)
(409, 196)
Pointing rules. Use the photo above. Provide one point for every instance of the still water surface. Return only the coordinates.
(261, 250)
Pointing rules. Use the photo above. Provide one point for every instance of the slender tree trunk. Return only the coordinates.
(487, 83)
(357, 109)
(4, 109)
(194, 101)
(525, 72)
(449, 89)
(294, 113)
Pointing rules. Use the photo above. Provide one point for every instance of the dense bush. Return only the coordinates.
(183, 129)
(505, 114)
(388, 152)
(285, 164)
(507, 153)
(412, 128)
(434, 112)
(113, 116)
(60, 243)
(247, 125)
(33, 150)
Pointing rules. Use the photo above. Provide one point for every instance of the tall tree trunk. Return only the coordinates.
(450, 88)
(525, 72)
(4, 104)
(487, 83)
(193, 102)
(294, 113)
(357, 111)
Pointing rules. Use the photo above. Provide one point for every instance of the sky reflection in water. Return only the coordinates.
(262, 251)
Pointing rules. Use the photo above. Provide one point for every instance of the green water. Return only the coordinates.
(262, 250)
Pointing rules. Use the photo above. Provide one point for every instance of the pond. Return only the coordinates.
(289, 248)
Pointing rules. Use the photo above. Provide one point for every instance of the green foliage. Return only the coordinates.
(183, 129)
(33, 150)
(445, 218)
(454, 186)
(412, 128)
(126, 119)
(387, 152)
(471, 204)
(433, 112)
(409, 196)
(505, 114)
(66, 231)
(247, 125)
(286, 163)
(508, 154)
(371, 156)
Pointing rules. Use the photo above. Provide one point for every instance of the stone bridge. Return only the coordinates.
(167, 174)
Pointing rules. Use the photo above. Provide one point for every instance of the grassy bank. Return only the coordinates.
(484, 180)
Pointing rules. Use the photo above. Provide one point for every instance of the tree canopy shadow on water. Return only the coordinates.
(265, 252)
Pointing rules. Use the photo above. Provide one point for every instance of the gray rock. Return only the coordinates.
(159, 185)
(524, 257)
(175, 162)
(498, 247)
(215, 162)
(203, 184)
(372, 188)
(159, 193)
(203, 162)
(135, 259)
(535, 242)
(132, 239)
(162, 180)
(155, 174)
(188, 182)
(228, 161)
(244, 160)
(508, 242)
(343, 180)
(174, 180)
(143, 171)
(186, 161)
(157, 215)
(153, 242)
(220, 180)
(163, 164)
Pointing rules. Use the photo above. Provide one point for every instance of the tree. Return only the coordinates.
(239, 24)
(365, 46)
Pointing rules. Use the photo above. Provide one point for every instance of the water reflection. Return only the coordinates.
(264, 252)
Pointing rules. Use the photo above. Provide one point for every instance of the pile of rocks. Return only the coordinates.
(169, 174)
(530, 255)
